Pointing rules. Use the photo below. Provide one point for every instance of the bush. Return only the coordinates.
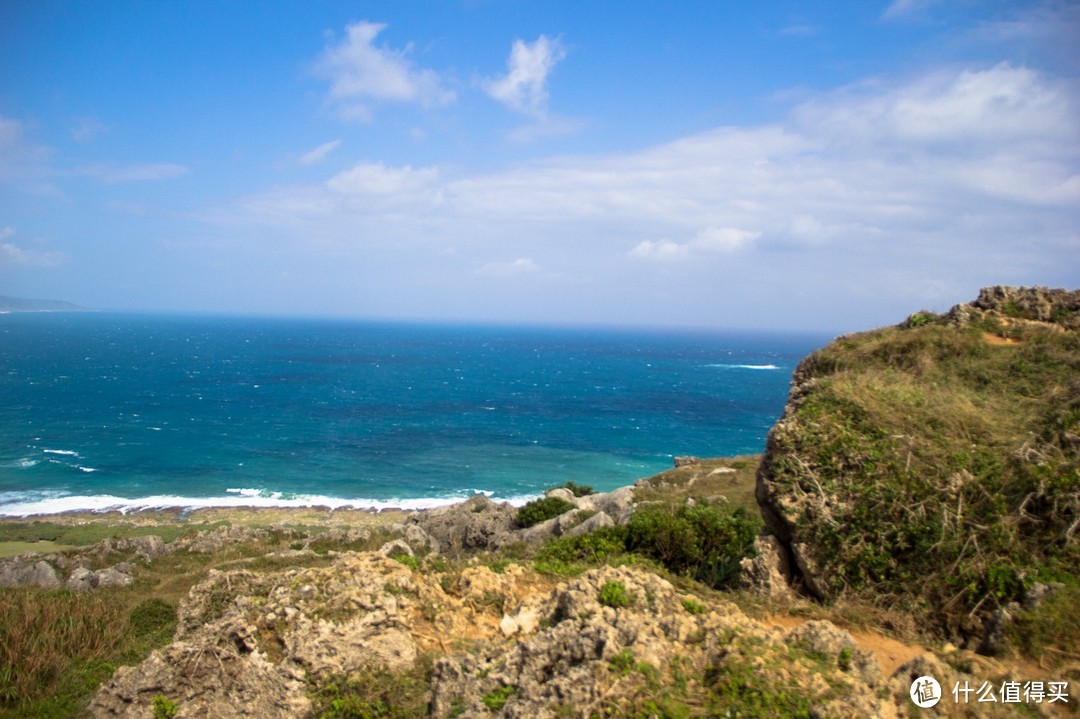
(578, 490)
(705, 542)
(496, 700)
(374, 693)
(541, 510)
(614, 595)
(164, 708)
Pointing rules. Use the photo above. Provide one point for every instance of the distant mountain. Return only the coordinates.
(18, 304)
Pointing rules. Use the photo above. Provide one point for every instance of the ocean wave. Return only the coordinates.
(23, 504)
(744, 366)
(24, 463)
(62, 452)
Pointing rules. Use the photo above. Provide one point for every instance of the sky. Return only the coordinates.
(759, 165)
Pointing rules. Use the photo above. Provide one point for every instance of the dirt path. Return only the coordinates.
(890, 653)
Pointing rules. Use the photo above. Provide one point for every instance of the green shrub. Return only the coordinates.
(152, 617)
(614, 594)
(623, 662)
(705, 541)
(578, 490)
(164, 708)
(541, 510)
(374, 693)
(596, 547)
(694, 606)
(407, 559)
(496, 699)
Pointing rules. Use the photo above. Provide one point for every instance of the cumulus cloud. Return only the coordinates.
(317, 155)
(516, 268)
(361, 73)
(378, 179)
(997, 105)
(711, 240)
(21, 256)
(888, 187)
(524, 86)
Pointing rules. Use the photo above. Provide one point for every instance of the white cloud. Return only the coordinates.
(994, 105)
(709, 241)
(378, 179)
(314, 157)
(22, 162)
(663, 250)
(886, 188)
(517, 268)
(139, 172)
(524, 86)
(359, 73)
(87, 129)
(905, 8)
(15, 255)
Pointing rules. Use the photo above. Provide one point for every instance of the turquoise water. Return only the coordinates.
(108, 410)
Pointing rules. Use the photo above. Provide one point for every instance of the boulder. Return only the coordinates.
(477, 523)
(765, 573)
(395, 546)
(618, 504)
(29, 572)
(562, 493)
(597, 521)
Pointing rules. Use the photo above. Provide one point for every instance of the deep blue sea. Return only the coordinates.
(127, 411)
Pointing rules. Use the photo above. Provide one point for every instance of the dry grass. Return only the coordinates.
(948, 466)
(42, 632)
(732, 478)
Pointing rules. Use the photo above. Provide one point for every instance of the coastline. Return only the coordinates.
(731, 477)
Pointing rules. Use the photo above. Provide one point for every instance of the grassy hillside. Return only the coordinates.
(936, 465)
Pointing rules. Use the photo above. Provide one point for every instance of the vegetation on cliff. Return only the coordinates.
(936, 465)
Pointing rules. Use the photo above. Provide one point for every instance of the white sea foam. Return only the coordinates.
(744, 366)
(63, 452)
(24, 463)
(22, 504)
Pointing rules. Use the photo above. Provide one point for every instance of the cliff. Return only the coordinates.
(935, 465)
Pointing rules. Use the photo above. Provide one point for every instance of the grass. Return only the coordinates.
(78, 535)
(732, 478)
(948, 465)
(374, 693)
(57, 646)
(614, 595)
(44, 546)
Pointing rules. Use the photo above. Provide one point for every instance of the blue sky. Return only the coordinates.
(818, 165)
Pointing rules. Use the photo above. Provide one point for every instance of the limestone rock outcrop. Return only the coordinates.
(509, 643)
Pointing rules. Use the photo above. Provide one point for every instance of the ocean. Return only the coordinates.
(116, 411)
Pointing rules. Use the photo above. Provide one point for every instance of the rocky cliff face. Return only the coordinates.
(935, 464)
(512, 643)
